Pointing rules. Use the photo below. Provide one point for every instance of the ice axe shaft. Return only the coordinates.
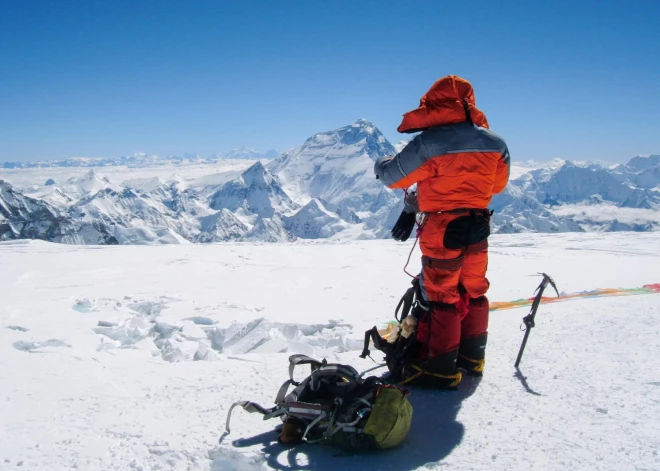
(528, 320)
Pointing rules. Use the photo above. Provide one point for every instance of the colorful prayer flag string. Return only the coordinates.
(597, 293)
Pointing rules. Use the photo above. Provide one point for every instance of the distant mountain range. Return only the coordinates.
(582, 197)
(324, 188)
(141, 159)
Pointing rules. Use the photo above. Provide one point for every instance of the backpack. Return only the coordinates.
(334, 405)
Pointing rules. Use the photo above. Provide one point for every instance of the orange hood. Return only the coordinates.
(446, 102)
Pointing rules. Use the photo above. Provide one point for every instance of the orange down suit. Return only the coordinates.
(457, 164)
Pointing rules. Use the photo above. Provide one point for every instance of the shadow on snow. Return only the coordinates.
(523, 380)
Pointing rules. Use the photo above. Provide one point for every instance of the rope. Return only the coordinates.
(420, 226)
(405, 267)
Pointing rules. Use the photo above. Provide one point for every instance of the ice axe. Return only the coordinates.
(528, 320)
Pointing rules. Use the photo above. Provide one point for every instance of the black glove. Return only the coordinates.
(404, 226)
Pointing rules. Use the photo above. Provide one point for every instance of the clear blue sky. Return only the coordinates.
(571, 79)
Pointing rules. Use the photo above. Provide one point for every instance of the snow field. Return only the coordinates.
(98, 348)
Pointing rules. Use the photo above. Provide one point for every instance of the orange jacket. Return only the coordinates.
(456, 161)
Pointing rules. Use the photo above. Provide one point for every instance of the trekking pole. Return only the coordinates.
(528, 320)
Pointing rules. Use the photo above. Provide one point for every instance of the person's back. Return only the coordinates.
(458, 164)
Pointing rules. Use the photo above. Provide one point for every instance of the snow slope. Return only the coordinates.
(98, 348)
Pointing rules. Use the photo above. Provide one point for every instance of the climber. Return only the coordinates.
(458, 164)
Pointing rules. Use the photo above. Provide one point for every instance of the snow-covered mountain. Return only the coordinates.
(138, 159)
(255, 192)
(572, 184)
(22, 217)
(250, 153)
(134, 219)
(256, 202)
(642, 163)
(221, 226)
(403, 143)
(337, 167)
(269, 229)
(314, 221)
(87, 185)
(518, 211)
(330, 176)
(585, 196)
(324, 188)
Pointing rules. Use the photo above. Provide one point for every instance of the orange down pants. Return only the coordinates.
(454, 262)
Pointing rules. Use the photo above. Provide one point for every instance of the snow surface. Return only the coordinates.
(98, 347)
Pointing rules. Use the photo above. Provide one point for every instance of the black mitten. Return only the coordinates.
(404, 226)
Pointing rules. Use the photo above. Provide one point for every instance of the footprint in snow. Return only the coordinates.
(18, 328)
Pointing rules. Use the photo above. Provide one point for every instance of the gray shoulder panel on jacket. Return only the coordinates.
(441, 140)
(461, 137)
(391, 170)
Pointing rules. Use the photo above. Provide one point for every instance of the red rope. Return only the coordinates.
(419, 231)
(409, 256)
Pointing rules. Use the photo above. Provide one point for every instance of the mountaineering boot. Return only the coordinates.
(439, 372)
(472, 355)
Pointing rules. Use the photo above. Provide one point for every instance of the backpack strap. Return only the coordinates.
(250, 407)
(336, 379)
(295, 360)
(411, 299)
(406, 301)
(300, 359)
(312, 424)
(380, 343)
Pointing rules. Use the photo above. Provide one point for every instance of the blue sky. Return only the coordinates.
(577, 80)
